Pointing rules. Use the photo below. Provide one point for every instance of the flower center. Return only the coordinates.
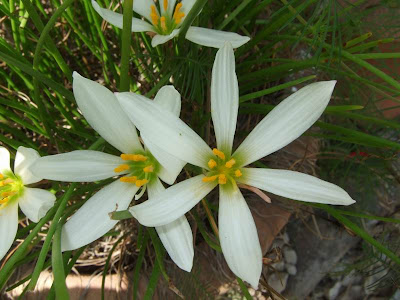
(222, 168)
(164, 24)
(11, 187)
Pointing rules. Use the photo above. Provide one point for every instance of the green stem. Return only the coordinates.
(197, 7)
(57, 261)
(126, 45)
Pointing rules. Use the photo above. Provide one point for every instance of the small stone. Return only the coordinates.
(285, 238)
(279, 266)
(290, 256)
(291, 269)
(252, 292)
(278, 283)
(334, 291)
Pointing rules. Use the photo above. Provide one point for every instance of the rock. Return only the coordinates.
(334, 291)
(290, 256)
(396, 296)
(279, 266)
(285, 238)
(278, 283)
(291, 269)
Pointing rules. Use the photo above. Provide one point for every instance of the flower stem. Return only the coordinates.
(210, 217)
(126, 44)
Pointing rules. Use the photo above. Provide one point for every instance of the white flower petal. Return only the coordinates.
(166, 130)
(8, 227)
(238, 236)
(143, 7)
(170, 7)
(177, 236)
(77, 166)
(24, 158)
(4, 160)
(159, 39)
(286, 122)
(168, 98)
(92, 220)
(187, 6)
(224, 98)
(35, 203)
(171, 166)
(215, 38)
(116, 19)
(101, 109)
(178, 200)
(296, 185)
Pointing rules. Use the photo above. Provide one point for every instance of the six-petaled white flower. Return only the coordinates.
(33, 202)
(286, 122)
(165, 21)
(138, 167)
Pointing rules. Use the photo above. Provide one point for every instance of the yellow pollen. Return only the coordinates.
(211, 163)
(178, 15)
(230, 163)
(154, 15)
(238, 173)
(2, 201)
(121, 168)
(134, 157)
(148, 169)
(142, 182)
(209, 178)
(222, 179)
(165, 5)
(130, 179)
(163, 25)
(6, 194)
(219, 153)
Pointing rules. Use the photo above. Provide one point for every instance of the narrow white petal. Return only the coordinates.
(178, 200)
(8, 227)
(224, 98)
(35, 203)
(4, 160)
(116, 19)
(143, 7)
(168, 98)
(215, 38)
(187, 6)
(170, 7)
(177, 236)
(286, 122)
(159, 39)
(101, 109)
(296, 185)
(171, 166)
(92, 221)
(238, 236)
(77, 166)
(24, 158)
(166, 130)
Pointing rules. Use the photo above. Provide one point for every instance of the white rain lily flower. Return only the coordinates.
(286, 122)
(137, 167)
(33, 202)
(165, 23)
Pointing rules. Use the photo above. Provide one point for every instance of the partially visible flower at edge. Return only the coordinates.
(285, 123)
(166, 24)
(139, 169)
(33, 202)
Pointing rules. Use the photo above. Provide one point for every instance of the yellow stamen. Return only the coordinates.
(154, 15)
(142, 182)
(5, 200)
(6, 194)
(165, 5)
(178, 15)
(230, 163)
(219, 153)
(211, 163)
(163, 25)
(148, 169)
(134, 157)
(130, 179)
(1, 176)
(209, 178)
(238, 173)
(221, 179)
(121, 168)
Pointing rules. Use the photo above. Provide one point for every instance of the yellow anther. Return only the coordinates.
(163, 25)
(238, 173)
(178, 15)
(6, 194)
(230, 163)
(129, 179)
(154, 15)
(209, 178)
(148, 169)
(165, 5)
(211, 163)
(5, 200)
(121, 168)
(142, 182)
(222, 179)
(1, 176)
(134, 157)
(219, 153)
